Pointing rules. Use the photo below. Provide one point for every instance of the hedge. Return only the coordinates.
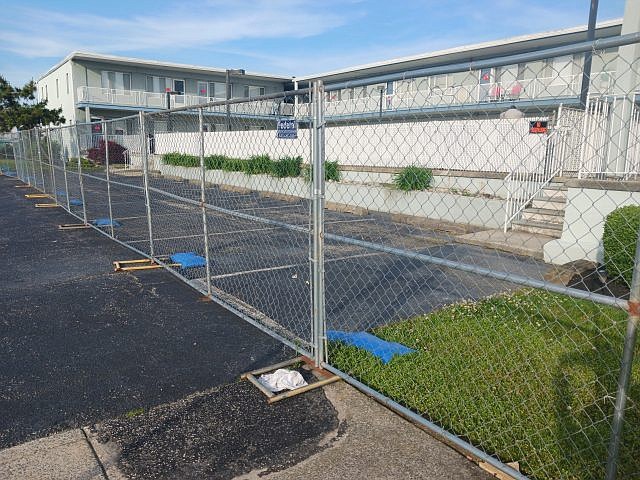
(619, 240)
(257, 164)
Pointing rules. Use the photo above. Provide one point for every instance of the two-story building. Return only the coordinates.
(89, 86)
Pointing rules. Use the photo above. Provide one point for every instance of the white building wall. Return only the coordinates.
(64, 95)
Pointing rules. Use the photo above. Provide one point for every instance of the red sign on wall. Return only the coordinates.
(538, 126)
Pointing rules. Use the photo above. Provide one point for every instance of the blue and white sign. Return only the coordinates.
(287, 129)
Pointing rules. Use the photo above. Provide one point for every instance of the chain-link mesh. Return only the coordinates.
(486, 219)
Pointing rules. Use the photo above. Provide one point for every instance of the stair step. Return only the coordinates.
(540, 228)
(556, 193)
(550, 203)
(543, 215)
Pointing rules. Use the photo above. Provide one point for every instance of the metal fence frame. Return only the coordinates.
(31, 162)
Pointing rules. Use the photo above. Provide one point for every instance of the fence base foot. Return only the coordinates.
(139, 264)
(272, 397)
(23, 186)
(36, 195)
(73, 226)
(47, 205)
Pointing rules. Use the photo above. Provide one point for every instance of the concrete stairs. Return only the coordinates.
(545, 214)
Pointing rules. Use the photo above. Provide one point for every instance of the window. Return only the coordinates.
(116, 80)
(67, 77)
(57, 89)
(253, 91)
(389, 88)
(217, 89)
(178, 86)
(203, 89)
(156, 84)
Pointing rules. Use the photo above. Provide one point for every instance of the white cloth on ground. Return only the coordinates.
(282, 379)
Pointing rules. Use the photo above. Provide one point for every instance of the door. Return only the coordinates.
(178, 86)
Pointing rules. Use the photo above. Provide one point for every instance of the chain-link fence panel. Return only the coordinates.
(459, 226)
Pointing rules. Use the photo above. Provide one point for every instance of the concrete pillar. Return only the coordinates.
(87, 114)
(625, 85)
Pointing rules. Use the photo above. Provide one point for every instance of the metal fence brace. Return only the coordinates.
(272, 397)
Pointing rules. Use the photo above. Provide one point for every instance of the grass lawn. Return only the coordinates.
(5, 163)
(528, 376)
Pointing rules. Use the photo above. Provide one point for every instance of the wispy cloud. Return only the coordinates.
(46, 33)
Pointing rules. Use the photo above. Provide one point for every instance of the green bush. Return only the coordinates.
(619, 240)
(234, 165)
(258, 164)
(331, 172)
(413, 178)
(214, 162)
(85, 163)
(286, 167)
(181, 160)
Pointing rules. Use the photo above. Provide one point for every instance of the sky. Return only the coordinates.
(286, 37)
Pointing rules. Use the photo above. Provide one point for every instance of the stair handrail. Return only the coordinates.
(533, 183)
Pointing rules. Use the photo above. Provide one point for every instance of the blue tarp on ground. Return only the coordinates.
(75, 202)
(105, 222)
(188, 260)
(382, 349)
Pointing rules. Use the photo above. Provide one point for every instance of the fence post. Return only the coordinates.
(37, 133)
(145, 173)
(64, 169)
(318, 191)
(106, 163)
(76, 137)
(32, 177)
(625, 367)
(203, 198)
(51, 169)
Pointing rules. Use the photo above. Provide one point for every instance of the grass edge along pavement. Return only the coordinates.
(527, 376)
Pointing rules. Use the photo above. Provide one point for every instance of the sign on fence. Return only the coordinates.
(287, 129)
(538, 126)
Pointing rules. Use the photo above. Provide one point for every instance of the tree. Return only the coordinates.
(18, 108)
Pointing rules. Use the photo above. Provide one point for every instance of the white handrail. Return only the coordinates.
(530, 184)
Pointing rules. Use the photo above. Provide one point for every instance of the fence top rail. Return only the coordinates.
(580, 47)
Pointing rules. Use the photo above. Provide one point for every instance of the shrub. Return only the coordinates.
(99, 153)
(286, 167)
(413, 178)
(214, 162)
(234, 165)
(619, 240)
(331, 172)
(181, 160)
(259, 164)
(86, 164)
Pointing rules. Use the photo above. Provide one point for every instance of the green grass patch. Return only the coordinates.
(413, 178)
(528, 376)
(286, 167)
(257, 164)
(85, 164)
(619, 241)
(134, 413)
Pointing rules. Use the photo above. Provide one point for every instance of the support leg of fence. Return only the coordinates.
(106, 165)
(203, 199)
(76, 140)
(625, 368)
(37, 134)
(32, 176)
(47, 133)
(318, 193)
(145, 172)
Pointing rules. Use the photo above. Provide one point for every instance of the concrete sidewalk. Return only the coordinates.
(369, 441)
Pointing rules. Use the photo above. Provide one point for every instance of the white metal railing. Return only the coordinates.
(530, 89)
(139, 98)
(525, 184)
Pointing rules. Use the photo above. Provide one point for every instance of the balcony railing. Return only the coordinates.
(138, 98)
(474, 93)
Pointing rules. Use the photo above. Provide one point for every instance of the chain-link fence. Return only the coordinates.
(458, 241)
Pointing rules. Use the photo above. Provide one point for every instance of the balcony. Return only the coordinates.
(558, 87)
(138, 99)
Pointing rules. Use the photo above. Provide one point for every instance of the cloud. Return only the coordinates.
(45, 33)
